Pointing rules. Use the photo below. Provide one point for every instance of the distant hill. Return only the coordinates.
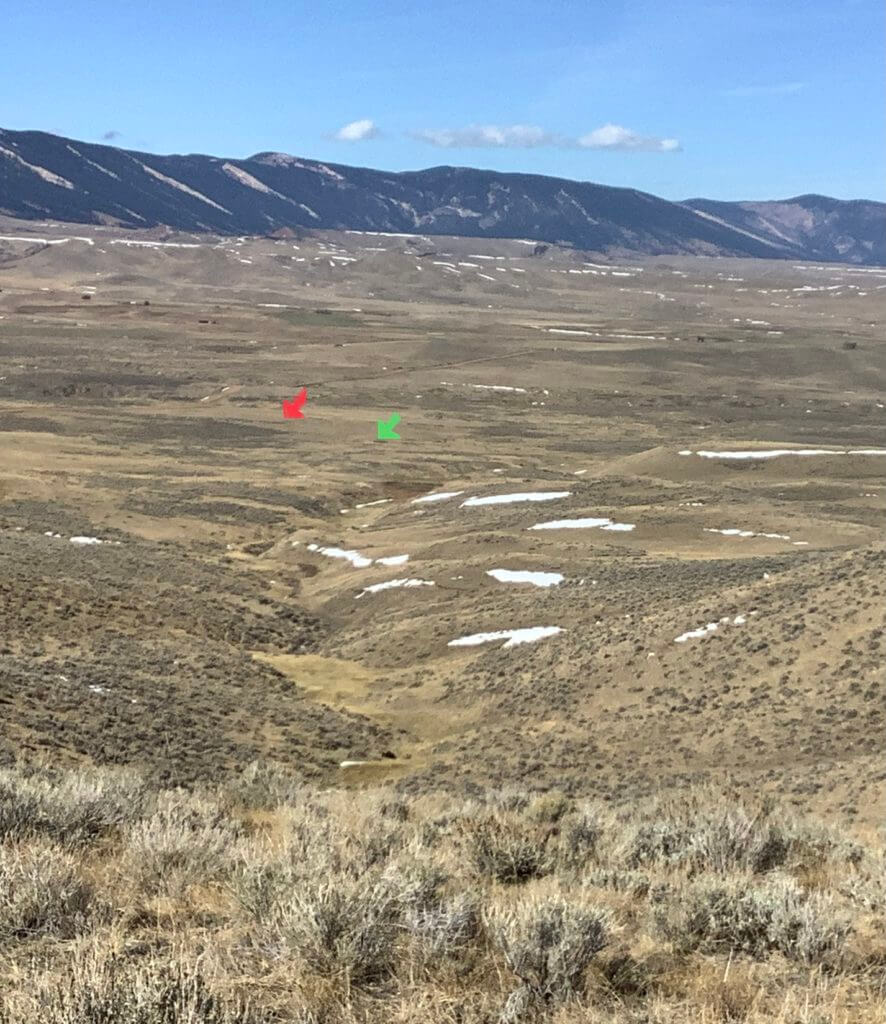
(847, 231)
(45, 176)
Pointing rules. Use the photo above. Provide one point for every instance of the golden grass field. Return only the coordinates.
(725, 638)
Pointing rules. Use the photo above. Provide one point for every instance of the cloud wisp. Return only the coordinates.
(358, 131)
(513, 136)
(529, 136)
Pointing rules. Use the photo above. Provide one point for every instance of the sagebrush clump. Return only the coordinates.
(741, 916)
(43, 892)
(269, 901)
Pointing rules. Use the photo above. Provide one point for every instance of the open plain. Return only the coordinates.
(708, 605)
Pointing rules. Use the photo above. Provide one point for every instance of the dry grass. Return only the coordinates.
(269, 901)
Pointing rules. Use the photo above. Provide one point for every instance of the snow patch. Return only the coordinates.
(508, 499)
(156, 245)
(376, 588)
(584, 524)
(732, 532)
(245, 178)
(776, 453)
(392, 560)
(711, 627)
(92, 163)
(436, 496)
(538, 579)
(46, 241)
(41, 172)
(512, 636)
(354, 557)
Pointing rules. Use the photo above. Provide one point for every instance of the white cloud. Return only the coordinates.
(782, 89)
(614, 136)
(357, 131)
(513, 136)
(529, 136)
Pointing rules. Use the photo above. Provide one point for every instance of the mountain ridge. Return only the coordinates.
(46, 176)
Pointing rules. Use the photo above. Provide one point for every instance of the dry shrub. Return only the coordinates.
(306, 853)
(445, 928)
(637, 884)
(814, 844)
(581, 836)
(42, 892)
(337, 833)
(700, 835)
(74, 809)
(715, 840)
(342, 929)
(733, 840)
(619, 976)
(260, 882)
(867, 890)
(355, 929)
(262, 785)
(548, 808)
(548, 944)
(507, 850)
(379, 907)
(730, 994)
(509, 799)
(418, 883)
(187, 840)
(754, 918)
(440, 925)
(106, 989)
(321, 899)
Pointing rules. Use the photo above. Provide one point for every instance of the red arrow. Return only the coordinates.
(293, 410)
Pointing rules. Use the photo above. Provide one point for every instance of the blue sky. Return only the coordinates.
(736, 99)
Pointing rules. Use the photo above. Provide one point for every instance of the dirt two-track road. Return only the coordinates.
(692, 615)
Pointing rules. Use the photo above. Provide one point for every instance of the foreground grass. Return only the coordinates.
(271, 901)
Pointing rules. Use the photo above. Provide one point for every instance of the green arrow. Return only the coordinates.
(386, 428)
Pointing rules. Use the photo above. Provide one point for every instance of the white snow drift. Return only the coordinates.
(584, 524)
(732, 532)
(538, 579)
(776, 453)
(355, 558)
(711, 627)
(438, 496)
(507, 499)
(513, 637)
(376, 588)
(392, 560)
